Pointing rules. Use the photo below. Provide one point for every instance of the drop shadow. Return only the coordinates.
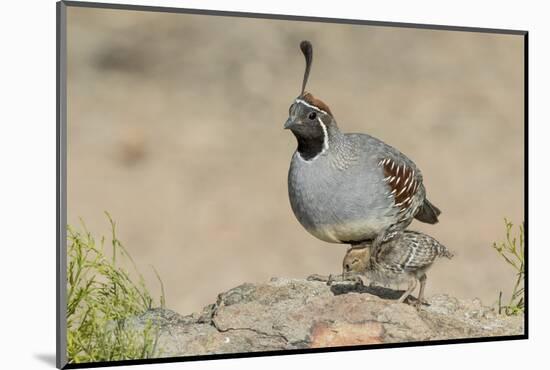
(47, 358)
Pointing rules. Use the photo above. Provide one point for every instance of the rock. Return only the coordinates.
(293, 313)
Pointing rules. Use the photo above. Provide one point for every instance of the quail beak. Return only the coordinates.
(289, 124)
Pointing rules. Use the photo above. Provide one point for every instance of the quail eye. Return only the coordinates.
(347, 266)
(312, 116)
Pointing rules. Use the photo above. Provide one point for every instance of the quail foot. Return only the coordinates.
(404, 258)
(349, 188)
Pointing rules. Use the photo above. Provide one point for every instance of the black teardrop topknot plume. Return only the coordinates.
(307, 50)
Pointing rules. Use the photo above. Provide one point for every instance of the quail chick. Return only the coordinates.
(349, 188)
(405, 257)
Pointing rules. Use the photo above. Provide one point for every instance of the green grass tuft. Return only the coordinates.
(512, 251)
(100, 296)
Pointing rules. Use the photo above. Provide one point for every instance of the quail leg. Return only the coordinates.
(412, 285)
(422, 280)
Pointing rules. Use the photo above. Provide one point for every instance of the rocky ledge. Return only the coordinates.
(295, 314)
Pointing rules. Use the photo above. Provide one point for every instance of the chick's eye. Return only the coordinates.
(312, 116)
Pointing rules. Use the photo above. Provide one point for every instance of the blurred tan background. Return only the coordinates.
(175, 128)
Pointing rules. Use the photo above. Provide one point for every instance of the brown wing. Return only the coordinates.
(402, 180)
(389, 257)
(409, 251)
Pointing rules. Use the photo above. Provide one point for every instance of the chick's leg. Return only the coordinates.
(422, 280)
(412, 285)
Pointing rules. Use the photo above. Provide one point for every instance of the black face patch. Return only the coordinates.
(309, 133)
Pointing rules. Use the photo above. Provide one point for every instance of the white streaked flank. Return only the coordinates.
(401, 192)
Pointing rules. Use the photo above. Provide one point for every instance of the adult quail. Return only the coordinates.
(404, 258)
(349, 188)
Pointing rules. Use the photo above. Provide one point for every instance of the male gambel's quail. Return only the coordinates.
(404, 258)
(349, 188)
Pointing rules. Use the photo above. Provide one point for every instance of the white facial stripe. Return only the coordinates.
(325, 132)
(300, 101)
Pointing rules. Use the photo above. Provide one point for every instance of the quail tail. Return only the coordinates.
(442, 251)
(428, 213)
(446, 253)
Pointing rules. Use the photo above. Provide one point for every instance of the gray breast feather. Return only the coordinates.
(339, 205)
(341, 195)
